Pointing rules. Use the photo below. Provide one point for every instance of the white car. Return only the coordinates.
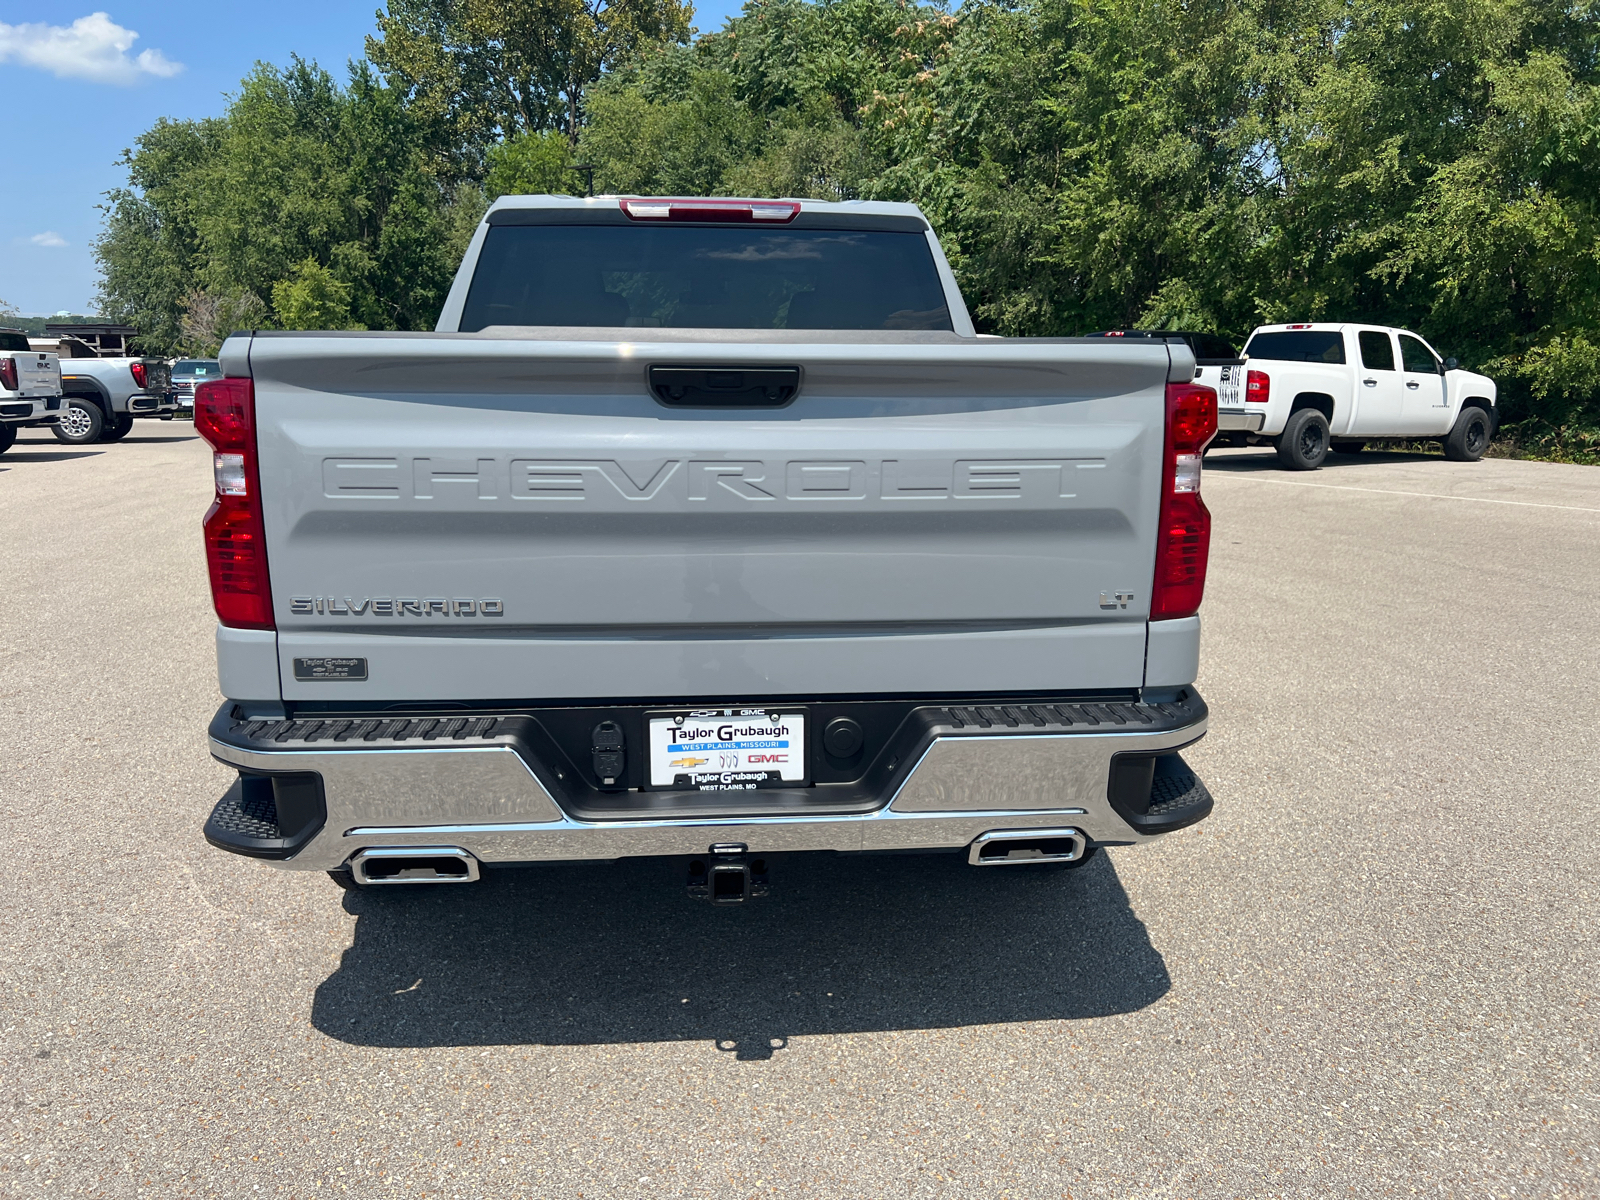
(1315, 387)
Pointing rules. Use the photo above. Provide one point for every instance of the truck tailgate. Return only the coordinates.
(37, 374)
(491, 518)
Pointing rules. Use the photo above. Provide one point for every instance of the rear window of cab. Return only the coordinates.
(704, 277)
(1298, 345)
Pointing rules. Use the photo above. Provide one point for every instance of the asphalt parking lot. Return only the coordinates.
(1372, 972)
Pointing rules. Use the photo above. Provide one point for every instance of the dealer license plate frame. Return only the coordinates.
(658, 757)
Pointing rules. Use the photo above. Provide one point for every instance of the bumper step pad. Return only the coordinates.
(1179, 793)
(1157, 793)
(1079, 717)
(268, 816)
(390, 731)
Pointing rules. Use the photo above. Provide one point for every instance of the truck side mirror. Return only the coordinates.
(1450, 364)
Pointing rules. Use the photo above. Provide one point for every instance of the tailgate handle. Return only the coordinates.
(725, 386)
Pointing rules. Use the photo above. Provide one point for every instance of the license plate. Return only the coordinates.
(727, 749)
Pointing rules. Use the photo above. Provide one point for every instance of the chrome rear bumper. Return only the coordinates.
(146, 406)
(1234, 421)
(964, 781)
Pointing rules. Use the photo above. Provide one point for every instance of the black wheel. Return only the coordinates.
(1304, 442)
(344, 879)
(81, 422)
(1470, 437)
(1341, 446)
(120, 425)
(8, 435)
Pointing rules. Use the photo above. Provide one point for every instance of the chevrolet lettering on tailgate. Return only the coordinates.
(578, 480)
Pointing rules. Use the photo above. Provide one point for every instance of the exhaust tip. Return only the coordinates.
(413, 864)
(1011, 847)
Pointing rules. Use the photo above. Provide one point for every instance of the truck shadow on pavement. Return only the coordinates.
(42, 456)
(584, 954)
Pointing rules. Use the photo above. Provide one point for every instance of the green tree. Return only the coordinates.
(312, 298)
(209, 317)
(220, 212)
(530, 164)
(496, 69)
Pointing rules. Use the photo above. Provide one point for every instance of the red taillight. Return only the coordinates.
(236, 548)
(1183, 540)
(777, 212)
(137, 371)
(8, 374)
(1257, 386)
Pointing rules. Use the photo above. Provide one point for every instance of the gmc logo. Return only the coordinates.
(772, 758)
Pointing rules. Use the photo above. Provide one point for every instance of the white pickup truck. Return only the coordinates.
(1312, 388)
(105, 395)
(30, 386)
(703, 528)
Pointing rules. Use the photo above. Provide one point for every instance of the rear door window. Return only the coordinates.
(1377, 351)
(1418, 359)
(704, 277)
(1298, 345)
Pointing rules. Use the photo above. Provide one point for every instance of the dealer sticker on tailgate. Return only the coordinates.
(727, 749)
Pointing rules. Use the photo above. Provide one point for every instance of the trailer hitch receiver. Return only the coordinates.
(727, 875)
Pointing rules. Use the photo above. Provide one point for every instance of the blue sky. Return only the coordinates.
(77, 88)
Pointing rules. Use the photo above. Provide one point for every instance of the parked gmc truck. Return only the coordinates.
(30, 386)
(706, 529)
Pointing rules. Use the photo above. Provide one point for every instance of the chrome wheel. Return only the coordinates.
(75, 421)
(80, 423)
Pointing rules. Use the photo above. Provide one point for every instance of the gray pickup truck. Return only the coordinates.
(105, 395)
(706, 529)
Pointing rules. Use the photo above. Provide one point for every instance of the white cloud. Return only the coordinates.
(48, 238)
(93, 48)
